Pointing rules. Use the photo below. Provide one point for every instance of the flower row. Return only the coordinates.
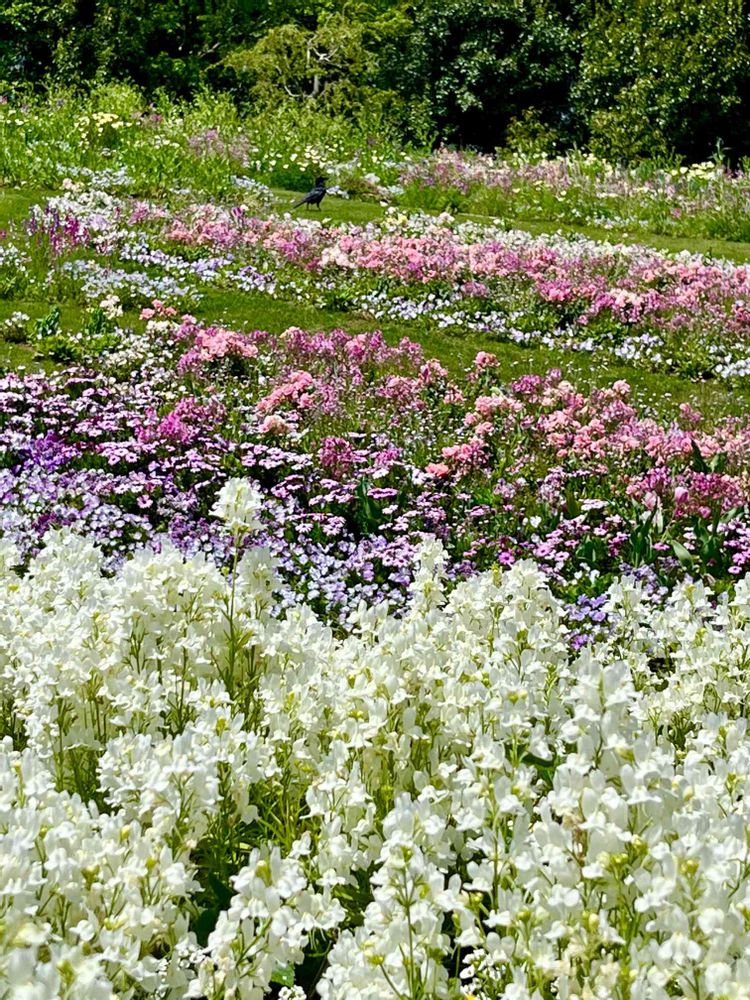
(203, 798)
(360, 451)
(680, 313)
(705, 199)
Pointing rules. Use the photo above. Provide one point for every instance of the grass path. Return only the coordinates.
(255, 311)
(342, 210)
(15, 204)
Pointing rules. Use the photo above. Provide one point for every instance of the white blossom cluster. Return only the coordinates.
(198, 793)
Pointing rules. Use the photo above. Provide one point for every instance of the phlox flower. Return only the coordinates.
(438, 469)
(275, 424)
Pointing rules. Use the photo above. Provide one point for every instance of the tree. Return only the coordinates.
(171, 44)
(334, 62)
(29, 30)
(477, 65)
(665, 75)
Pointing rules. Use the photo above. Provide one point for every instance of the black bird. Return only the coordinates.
(315, 196)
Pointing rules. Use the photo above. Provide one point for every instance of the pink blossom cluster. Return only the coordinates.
(636, 286)
(337, 456)
(603, 433)
(298, 390)
(184, 424)
(689, 493)
(215, 343)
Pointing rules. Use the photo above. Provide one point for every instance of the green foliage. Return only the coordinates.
(202, 145)
(15, 329)
(629, 78)
(292, 61)
(48, 326)
(28, 32)
(478, 66)
(334, 64)
(531, 136)
(658, 76)
(172, 44)
(98, 334)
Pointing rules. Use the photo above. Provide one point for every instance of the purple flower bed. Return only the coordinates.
(362, 450)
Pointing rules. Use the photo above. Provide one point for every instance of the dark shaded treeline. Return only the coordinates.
(625, 78)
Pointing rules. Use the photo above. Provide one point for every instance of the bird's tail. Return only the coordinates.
(297, 204)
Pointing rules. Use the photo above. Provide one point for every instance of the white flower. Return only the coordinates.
(450, 780)
(238, 505)
(111, 306)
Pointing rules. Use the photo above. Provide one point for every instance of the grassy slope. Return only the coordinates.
(260, 312)
(15, 204)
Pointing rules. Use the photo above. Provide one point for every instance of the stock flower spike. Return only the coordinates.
(453, 799)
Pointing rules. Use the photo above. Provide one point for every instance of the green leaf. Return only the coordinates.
(699, 462)
(204, 924)
(572, 506)
(283, 975)
(682, 553)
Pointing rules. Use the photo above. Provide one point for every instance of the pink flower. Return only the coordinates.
(486, 406)
(274, 424)
(453, 397)
(336, 455)
(465, 457)
(485, 360)
(432, 371)
(214, 344)
(291, 392)
(186, 423)
(438, 469)
(401, 390)
(691, 416)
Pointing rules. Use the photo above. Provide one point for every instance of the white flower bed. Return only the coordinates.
(452, 802)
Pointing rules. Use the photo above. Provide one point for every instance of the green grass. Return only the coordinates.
(663, 392)
(15, 356)
(333, 209)
(254, 311)
(342, 210)
(15, 204)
